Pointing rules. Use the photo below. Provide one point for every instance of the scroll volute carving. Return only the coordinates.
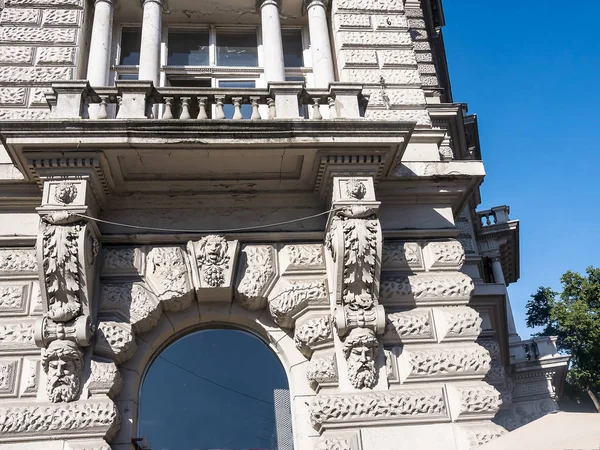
(354, 241)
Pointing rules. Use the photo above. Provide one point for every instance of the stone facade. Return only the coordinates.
(347, 237)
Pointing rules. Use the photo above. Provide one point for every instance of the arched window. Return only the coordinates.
(216, 389)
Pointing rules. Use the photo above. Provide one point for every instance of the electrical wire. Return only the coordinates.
(225, 230)
(214, 382)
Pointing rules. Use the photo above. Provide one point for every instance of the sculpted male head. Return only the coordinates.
(360, 349)
(63, 363)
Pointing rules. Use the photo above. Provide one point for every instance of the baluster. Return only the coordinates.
(185, 108)
(102, 111)
(487, 219)
(220, 114)
(331, 102)
(271, 105)
(237, 109)
(168, 113)
(316, 109)
(202, 108)
(255, 112)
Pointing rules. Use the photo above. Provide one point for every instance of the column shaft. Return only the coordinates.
(150, 47)
(100, 45)
(272, 41)
(499, 279)
(319, 44)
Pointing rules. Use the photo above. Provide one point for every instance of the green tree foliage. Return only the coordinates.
(573, 316)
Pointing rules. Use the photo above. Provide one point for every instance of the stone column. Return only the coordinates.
(150, 47)
(272, 41)
(99, 58)
(319, 44)
(499, 279)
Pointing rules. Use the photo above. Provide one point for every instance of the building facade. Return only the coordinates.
(297, 169)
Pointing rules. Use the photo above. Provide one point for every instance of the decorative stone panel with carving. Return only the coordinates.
(402, 256)
(105, 378)
(9, 376)
(444, 255)
(457, 323)
(387, 407)
(426, 289)
(475, 435)
(301, 258)
(322, 371)
(133, 303)
(313, 333)
(115, 341)
(122, 261)
(410, 326)
(167, 274)
(482, 401)
(18, 260)
(466, 361)
(213, 260)
(16, 337)
(290, 297)
(31, 374)
(15, 297)
(257, 272)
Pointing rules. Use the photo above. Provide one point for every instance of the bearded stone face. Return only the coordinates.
(361, 366)
(63, 380)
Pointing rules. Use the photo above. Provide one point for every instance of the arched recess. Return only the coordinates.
(215, 387)
(150, 296)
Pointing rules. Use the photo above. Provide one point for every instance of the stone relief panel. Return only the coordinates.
(458, 323)
(289, 297)
(478, 400)
(457, 362)
(445, 255)
(133, 302)
(313, 333)
(105, 378)
(15, 298)
(31, 375)
(16, 337)
(115, 341)
(9, 377)
(402, 256)
(18, 260)
(167, 274)
(257, 273)
(122, 261)
(301, 258)
(426, 290)
(410, 326)
(322, 370)
(389, 406)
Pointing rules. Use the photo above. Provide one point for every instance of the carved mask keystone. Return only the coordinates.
(213, 260)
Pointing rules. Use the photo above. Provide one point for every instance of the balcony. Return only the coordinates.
(141, 100)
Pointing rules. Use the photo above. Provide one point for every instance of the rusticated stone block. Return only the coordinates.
(37, 96)
(61, 17)
(24, 114)
(394, 22)
(355, 57)
(9, 374)
(46, 3)
(417, 23)
(429, 80)
(396, 97)
(375, 39)
(368, 76)
(424, 57)
(427, 69)
(56, 55)
(405, 115)
(370, 5)
(397, 58)
(21, 16)
(34, 74)
(13, 96)
(16, 55)
(42, 35)
(352, 21)
(422, 46)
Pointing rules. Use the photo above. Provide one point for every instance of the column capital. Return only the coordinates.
(261, 3)
(310, 3)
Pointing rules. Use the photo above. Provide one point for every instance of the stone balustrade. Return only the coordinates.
(495, 216)
(141, 100)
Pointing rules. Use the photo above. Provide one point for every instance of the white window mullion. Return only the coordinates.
(212, 40)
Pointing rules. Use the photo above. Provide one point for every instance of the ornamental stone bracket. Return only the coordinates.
(67, 249)
(354, 241)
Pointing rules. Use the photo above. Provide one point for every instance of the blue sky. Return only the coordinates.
(530, 71)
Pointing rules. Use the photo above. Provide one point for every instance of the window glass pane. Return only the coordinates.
(246, 109)
(292, 48)
(237, 48)
(131, 39)
(216, 389)
(128, 76)
(188, 48)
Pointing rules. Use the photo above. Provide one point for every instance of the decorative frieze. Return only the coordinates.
(167, 273)
(39, 420)
(426, 289)
(258, 271)
(389, 406)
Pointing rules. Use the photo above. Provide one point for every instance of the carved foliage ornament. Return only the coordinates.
(62, 265)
